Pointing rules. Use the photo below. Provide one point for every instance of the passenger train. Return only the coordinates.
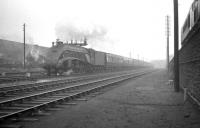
(63, 57)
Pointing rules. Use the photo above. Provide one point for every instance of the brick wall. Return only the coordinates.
(189, 56)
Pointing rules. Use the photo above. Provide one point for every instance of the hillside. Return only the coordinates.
(12, 52)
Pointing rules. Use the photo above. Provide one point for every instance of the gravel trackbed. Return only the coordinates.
(146, 102)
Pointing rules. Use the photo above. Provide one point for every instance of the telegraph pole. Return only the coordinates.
(167, 34)
(24, 29)
(176, 54)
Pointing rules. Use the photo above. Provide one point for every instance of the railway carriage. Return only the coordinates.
(191, 23)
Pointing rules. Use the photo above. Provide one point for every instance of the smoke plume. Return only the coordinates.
(69, 31)
(97, 35)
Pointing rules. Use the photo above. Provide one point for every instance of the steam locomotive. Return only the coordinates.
(191, 24)
(72, 56)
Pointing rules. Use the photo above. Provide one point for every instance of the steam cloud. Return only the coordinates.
(73, 31)
(33, 52)
(97, 35)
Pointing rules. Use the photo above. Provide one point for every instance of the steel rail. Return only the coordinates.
(59, 89)
(27, 87)
(62, 78)
(21, 100)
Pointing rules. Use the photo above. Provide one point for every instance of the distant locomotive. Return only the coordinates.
(63, 57)
(191, 23)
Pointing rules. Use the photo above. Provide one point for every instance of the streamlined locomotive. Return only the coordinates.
(73, 57)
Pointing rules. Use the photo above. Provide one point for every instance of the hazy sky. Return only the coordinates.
(115, 26)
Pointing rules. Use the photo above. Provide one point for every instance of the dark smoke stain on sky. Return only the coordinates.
(69, 31)
(97, 35)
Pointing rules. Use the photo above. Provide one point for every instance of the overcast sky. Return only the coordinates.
(116, 26)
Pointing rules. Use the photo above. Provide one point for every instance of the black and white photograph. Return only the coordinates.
(99, 63)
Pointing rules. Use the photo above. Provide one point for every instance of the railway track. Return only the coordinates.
(18, 91)
(14, 77)
(13, 89)
(34, 103)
